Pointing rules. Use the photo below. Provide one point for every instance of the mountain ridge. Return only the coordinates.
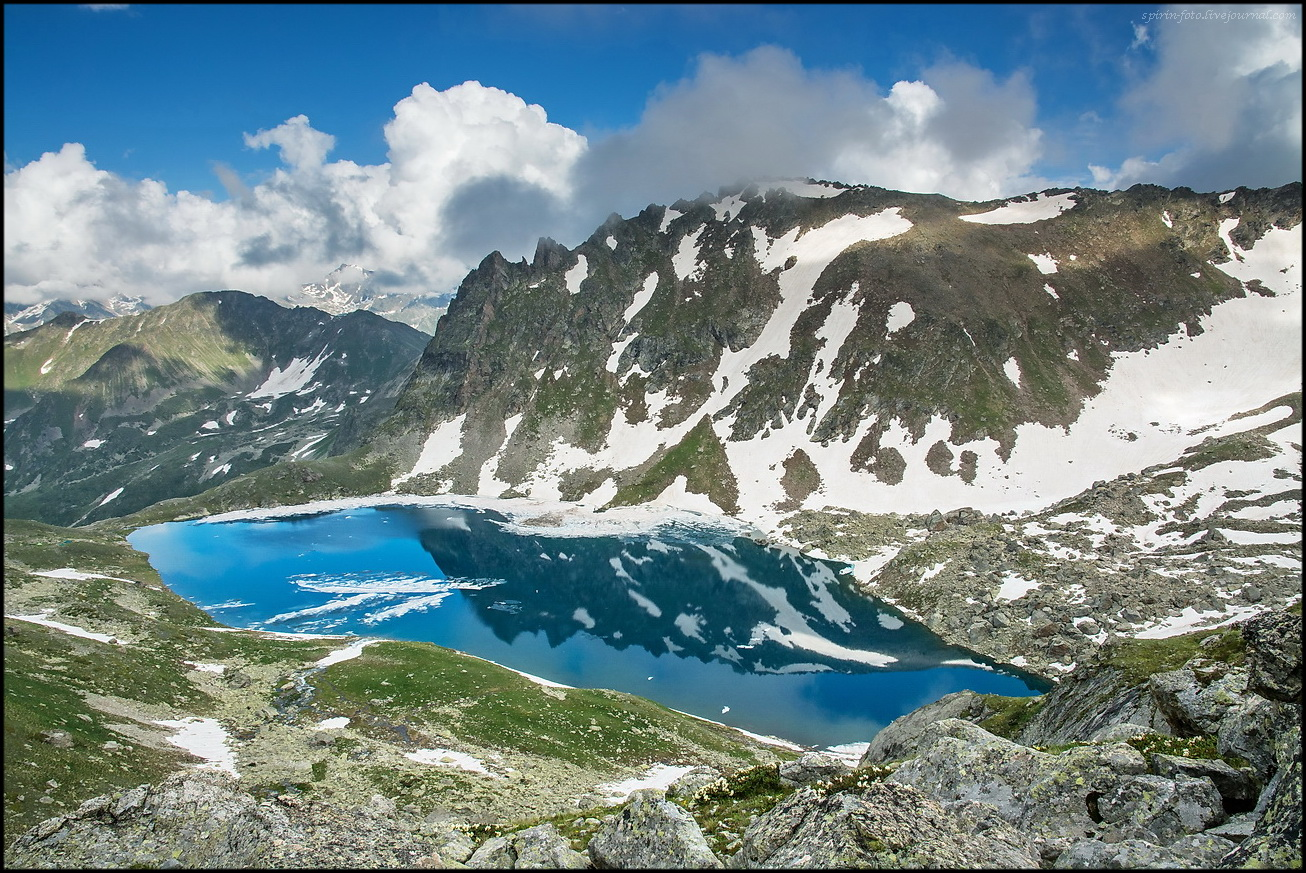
(93, 408)
(986, 337)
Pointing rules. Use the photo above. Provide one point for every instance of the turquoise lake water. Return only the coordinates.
(696, 618)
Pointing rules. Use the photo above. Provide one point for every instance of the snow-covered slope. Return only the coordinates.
(867, 350)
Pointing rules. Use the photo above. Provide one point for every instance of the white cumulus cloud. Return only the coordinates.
(1220, 104)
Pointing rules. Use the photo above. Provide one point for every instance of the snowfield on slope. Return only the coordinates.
(1155, 403)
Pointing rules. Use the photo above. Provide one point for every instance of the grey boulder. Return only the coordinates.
(651, 833)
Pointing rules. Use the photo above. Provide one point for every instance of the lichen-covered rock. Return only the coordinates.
(1276, 840)
(1199, 851)
(1237, 787)
(813, 767)
(884, 826)
(651, 833)
(1274, 665)
(1254, 728)
(695, 779)
(540, 848)
(1195, 707)
(1123, 855)
(1167, 808)
(1045, 796)
(1089, 701)
(192, 819)
(899, 738)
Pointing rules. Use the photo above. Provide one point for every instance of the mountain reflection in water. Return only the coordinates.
(761, 609)
(694, 617)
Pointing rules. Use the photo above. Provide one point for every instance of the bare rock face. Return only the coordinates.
(885, 826)
(1045, 796)
(189, 820)
(900, 737)
(1199, 850)
(652, 833)
(1193, 706)
(541, 848)
(1275, 841)
(1274, 663)
(1161, 810)
(813, 767)
(1090, 702)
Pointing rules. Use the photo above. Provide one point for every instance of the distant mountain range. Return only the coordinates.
(348, 288)
(22, 317)
(1122, 367)
(345, 289)
(106, 417)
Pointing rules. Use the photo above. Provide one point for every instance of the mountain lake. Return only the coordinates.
(694, 616)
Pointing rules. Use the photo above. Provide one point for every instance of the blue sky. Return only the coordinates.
(258, 146)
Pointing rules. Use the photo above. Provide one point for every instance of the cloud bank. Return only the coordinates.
(473, 168)
(1220, 102)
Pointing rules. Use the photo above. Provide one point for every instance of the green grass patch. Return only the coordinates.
(701, 459)
(1139, 659)
(426, 686)
(725, 807)
(1011, 714)
(1203, 747)
(42, 679)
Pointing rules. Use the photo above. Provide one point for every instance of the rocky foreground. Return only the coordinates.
(1130, 762)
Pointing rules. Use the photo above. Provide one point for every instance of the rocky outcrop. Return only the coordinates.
(193, 820)
(1088, 702)
(1274, 667)
(1046, 796)
(1276, 839)
(541, 847)
(813, 767)
(201, 820)
(901, 737)
(652, 832)
(886, 826)
(1201, 850)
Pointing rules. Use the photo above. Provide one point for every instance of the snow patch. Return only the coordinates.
(577, 274)
(1046, 264)
(1014, 587)
(70, 629)
(900, 315)
(443, 445)
(298, 373)
(658, 776)
(1025, 211)
(331, 724)
(450, 758)
(348, 653)
(685, 261)
(203, 738)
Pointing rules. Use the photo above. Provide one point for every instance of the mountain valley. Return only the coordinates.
(1062, 431)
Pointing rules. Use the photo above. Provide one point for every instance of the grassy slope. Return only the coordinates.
(105, 693)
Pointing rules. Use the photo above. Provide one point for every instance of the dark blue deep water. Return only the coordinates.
(701, 620)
